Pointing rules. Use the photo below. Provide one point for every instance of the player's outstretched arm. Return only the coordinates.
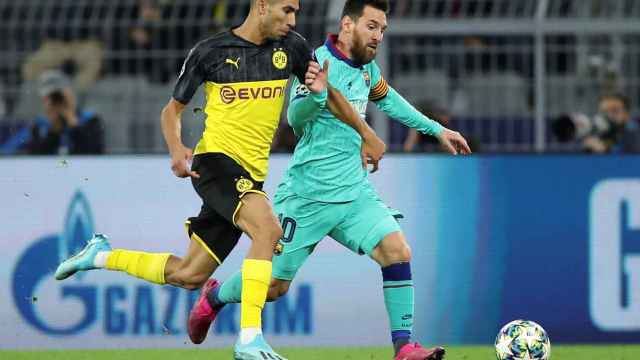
(171, 130)
(399, 109)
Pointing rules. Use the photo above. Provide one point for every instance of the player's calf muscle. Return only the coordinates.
(179, 273)
(187, 280)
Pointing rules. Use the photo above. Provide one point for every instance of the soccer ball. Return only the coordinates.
(523, 340)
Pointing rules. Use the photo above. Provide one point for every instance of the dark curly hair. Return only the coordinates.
(355, 8)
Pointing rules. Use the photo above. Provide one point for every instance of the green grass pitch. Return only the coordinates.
(609, 352)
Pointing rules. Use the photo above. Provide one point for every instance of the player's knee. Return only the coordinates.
(263, 224)
(274, 231)
(191, 286)
(268, 232)
(405, 254)
(195, 282)
(397, 254)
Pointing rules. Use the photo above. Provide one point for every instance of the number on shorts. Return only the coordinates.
(288, 228)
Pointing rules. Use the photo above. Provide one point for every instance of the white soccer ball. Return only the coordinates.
(522, 340)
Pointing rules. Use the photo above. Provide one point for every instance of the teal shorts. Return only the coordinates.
(359, 225)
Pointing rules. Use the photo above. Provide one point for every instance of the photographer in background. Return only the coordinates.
(64, 129)
(623, 136)
(612, 130)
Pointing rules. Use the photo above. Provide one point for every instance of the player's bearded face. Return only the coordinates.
(280, 18)
(368, 34)
(363, 53)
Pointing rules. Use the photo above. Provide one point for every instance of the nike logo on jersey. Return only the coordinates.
(234, 63)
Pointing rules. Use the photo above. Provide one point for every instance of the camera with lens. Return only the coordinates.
(577, 126)
(57, 98)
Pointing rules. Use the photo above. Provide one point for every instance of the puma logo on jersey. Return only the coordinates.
(234, 63)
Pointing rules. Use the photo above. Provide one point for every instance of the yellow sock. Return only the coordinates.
(146, 266)
(256, 275)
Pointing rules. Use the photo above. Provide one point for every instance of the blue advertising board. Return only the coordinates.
(552, 239)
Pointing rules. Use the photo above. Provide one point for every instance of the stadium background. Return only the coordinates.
(526, 229)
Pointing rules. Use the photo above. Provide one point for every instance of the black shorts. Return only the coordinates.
(221, 186)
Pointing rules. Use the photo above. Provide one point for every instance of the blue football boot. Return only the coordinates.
(258, 349)
(84, 260)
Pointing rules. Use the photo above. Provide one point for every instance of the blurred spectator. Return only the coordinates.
(3, 105)
(63, 129)
(148, 32)
(73, 40)
(444, 8)
(137, 37)
(418, 142)
(623, 135)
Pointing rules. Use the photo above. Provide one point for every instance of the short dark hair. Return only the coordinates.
(618, 96)
(355, 8)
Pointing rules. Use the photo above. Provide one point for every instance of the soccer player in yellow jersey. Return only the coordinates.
(244, 72)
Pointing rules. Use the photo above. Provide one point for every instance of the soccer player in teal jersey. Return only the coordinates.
(325, 190)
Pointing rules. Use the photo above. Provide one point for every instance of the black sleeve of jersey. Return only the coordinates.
(302, 54)
(190, 78)
(47, 145)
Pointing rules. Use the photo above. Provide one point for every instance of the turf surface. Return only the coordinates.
(610, 352)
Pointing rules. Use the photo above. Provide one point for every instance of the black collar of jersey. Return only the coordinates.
(233, 40)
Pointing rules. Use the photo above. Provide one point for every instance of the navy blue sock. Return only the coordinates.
(229, 292)
(400, 338)
(213, 298)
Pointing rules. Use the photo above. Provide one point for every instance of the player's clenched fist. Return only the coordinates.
(180, 159)
(317, 79)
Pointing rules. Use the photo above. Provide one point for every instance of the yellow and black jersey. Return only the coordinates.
(244, 84)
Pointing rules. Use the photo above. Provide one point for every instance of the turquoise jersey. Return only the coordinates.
(326, 164)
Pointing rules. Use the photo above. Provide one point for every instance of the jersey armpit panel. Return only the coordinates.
(244, 84)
